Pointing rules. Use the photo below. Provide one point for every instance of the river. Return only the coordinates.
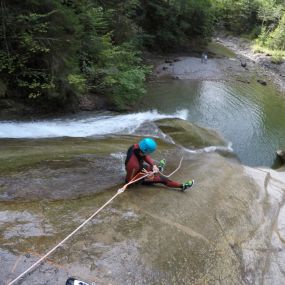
(250, 117)
(57, 172)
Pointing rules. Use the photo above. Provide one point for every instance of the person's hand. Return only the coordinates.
(155, 169)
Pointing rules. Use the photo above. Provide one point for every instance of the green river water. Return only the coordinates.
(250, 116)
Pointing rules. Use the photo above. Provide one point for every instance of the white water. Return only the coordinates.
(227, 148)
(90, 126)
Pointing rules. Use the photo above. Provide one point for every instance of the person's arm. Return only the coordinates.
(150, 161)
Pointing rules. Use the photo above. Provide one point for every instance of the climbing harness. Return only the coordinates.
(119, 191)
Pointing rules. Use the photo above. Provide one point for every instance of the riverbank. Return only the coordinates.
(15, 109)
(242, 47)
(229, 59)
(223, 64)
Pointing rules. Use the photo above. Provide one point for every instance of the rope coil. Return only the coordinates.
(119, 191)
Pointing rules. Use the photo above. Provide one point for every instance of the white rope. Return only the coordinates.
(119, 191)
(174, 170)
(70, 235)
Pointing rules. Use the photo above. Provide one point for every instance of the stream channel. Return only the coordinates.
(250, 117)
(56, 172)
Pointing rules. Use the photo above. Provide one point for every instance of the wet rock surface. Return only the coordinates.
(31, 169)
(190, 135)
(71, 178)
(227, 229)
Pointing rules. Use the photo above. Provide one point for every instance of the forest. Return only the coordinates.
(54, 52)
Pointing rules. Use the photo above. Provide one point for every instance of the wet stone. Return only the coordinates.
(227, 230)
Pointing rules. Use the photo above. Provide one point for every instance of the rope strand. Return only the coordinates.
(119, 191)
(167, 176)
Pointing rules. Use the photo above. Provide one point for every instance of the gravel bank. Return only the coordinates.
(244, 52)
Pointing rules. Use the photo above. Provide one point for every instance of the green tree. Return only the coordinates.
(269, 12)
(166, 25)
(276, 39)
(35, 55)
(238, 16)
(54, 51)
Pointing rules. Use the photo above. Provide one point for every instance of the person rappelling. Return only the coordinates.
(139, 161)
(140, 167)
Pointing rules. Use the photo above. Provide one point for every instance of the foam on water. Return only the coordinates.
(91, 126)
(213, 148)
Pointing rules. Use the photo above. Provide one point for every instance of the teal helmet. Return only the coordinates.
(147, 145)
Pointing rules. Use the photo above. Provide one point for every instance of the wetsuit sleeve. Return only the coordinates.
(148, 160)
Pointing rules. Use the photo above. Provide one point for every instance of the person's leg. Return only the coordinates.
(163, 180)
(167, 182)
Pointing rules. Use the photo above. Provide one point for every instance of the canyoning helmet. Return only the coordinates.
(147, 145)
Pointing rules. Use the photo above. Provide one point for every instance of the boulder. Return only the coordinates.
(262, 82)
(281, 155)
(190, 135)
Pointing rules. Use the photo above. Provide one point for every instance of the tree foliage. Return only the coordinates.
(269, 12)
(35, 55)
(263, 18)
(238, 16)
(54, 51)
(276, 39)
(167, 25)
(272, 15)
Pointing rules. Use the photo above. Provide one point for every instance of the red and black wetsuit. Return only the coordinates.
(135, 163)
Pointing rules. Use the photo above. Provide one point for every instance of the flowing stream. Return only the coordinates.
(250, 116)
(94, 124)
